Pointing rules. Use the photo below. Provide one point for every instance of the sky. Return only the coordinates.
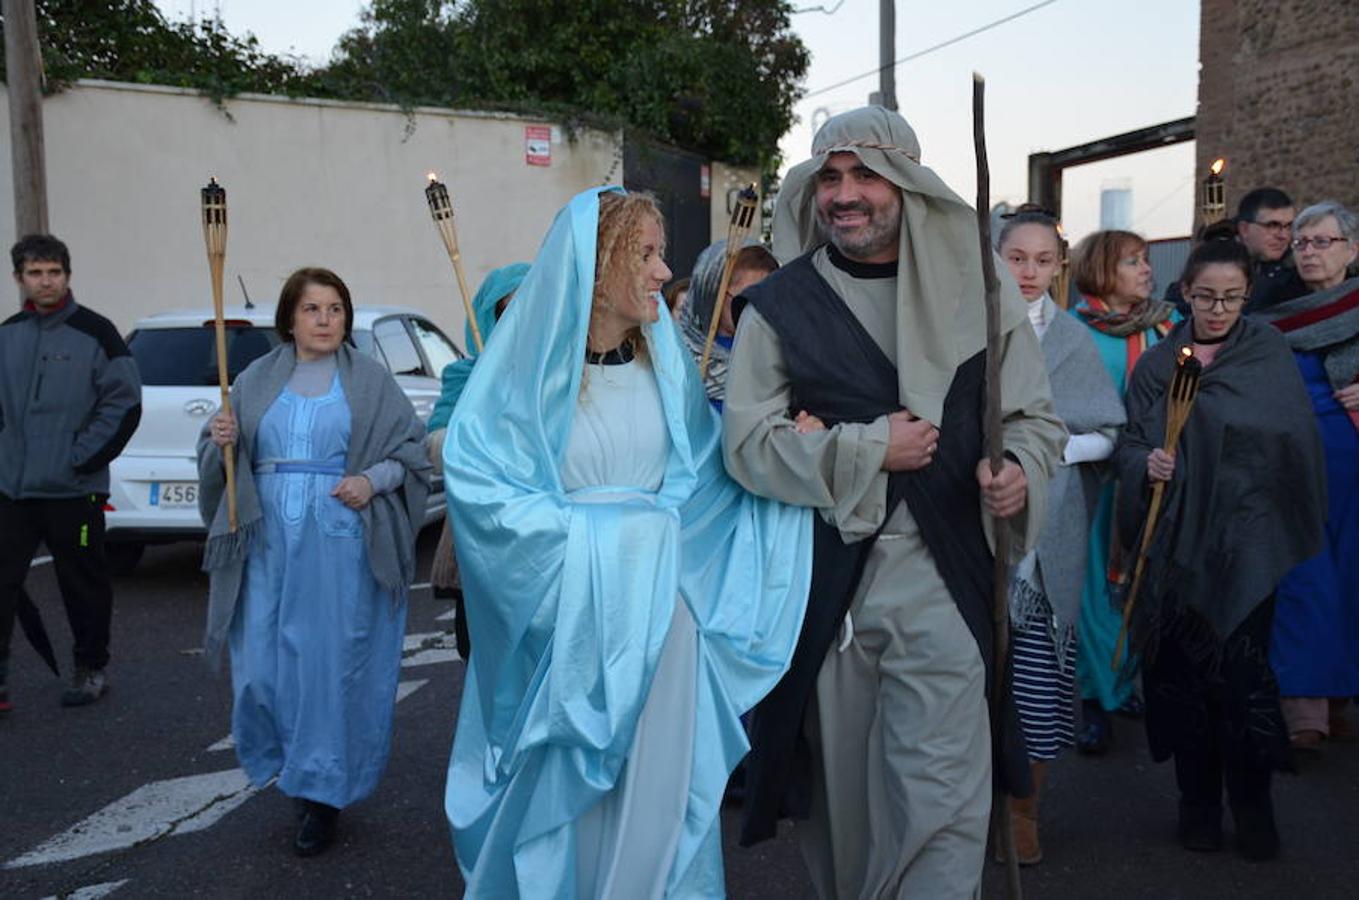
(1069, 72)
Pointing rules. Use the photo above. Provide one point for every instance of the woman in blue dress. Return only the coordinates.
(308, 591)
(1315, 652)
(631, 599)
(1111, 271)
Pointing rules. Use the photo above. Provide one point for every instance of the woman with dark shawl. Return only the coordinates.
(1316, 622)
(309, 591)
(630, 599)
(1045, 594)
(1111, 271)
(1244, 502)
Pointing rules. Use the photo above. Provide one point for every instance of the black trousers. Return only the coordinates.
(1214, 706)
(73, 529)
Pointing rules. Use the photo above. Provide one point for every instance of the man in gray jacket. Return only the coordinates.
(70, 398)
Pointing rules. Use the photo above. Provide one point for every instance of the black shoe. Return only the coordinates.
(1200, 827)
(1257, 838)
(317, 831)
(1097, 732)
(1134, 707)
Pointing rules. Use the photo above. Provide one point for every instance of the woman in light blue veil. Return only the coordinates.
(631, 600)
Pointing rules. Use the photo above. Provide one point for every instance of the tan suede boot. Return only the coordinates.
(1024, 819)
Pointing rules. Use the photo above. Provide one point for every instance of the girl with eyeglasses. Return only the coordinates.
(1111, 271)
(1316, 631)
(1244, 502)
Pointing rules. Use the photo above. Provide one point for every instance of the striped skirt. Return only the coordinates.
(1043, 688)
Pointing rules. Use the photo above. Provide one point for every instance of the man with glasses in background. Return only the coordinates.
(1264, 224)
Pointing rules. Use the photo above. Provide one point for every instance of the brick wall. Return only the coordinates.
(1279, 97)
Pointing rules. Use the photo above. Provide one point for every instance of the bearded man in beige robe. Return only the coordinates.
(857, 387)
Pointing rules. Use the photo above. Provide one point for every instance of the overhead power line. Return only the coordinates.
(919, 53)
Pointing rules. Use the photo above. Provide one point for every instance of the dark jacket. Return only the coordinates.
(70, 399)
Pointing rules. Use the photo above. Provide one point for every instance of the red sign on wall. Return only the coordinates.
(538, 145)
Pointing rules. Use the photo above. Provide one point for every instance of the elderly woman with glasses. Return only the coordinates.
(1316, 629)
(1243, 502)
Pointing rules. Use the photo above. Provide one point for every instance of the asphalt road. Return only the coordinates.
(135, 797)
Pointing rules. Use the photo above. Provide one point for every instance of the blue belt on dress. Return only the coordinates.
(299, 467)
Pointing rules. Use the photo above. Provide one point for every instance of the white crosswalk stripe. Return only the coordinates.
(429, 648)
(93, 892)
(152, 811)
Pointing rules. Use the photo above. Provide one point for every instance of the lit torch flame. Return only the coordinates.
(433, 176)
(1218, 165)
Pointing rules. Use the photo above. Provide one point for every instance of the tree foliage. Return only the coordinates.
(717, 76)
(130, 40)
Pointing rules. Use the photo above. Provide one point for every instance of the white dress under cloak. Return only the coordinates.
(626, 844)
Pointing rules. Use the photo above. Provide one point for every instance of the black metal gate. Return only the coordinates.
(674, 177)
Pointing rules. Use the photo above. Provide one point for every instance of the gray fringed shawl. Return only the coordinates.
(1086, 401)
(384, 427)
(1326, 321)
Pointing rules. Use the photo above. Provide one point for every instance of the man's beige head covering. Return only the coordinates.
(941, 309)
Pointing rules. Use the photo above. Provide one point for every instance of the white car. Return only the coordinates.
(153, 485)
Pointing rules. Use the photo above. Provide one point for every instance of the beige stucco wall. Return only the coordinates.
(308, 183)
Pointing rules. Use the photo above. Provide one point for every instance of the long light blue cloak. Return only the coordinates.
(570, 601)
(316, 641)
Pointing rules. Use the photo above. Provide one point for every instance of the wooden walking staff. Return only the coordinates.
(995, 452)
(214, 236)
(742, 218)
(441, 209)
(1184, 387)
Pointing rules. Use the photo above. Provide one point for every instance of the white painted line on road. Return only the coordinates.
(403, 690)
(430, 657)
(447, 616)
(429, 648)
(406, 688)
(152, 811)
(422, 586)
(93, 892)
(40, 561)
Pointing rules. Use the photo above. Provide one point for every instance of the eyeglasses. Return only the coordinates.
(1204, 301)
(1274, 227)
(1321, 243)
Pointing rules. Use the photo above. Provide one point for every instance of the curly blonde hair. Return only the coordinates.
(618, 258)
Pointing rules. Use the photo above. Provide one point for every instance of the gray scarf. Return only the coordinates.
(384, 427)
(1086, 400)
(1334, 331)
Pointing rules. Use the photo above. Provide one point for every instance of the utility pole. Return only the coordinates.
(887, 54)
(23, 75)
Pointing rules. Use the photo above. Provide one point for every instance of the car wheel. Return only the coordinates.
(123, 557)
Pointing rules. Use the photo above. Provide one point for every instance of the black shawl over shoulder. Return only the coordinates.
(1248, 498)
(820, 335)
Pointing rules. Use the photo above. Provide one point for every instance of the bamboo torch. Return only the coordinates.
(1184, 387)
(1061, 284)
(214, 237)
(742, 218)
(441, 209)
(995, 454)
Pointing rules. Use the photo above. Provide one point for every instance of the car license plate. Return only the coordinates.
(174, 494)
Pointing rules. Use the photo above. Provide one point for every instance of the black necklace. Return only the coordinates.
(618, 356)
